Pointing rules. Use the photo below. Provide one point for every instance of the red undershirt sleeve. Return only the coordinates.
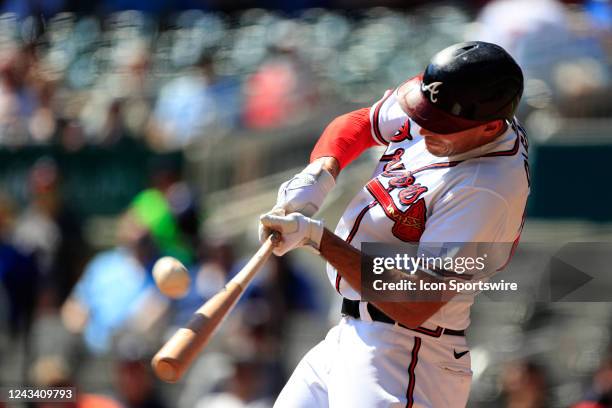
(345, 138)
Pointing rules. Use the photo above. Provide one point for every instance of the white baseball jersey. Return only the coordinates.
(414, 196)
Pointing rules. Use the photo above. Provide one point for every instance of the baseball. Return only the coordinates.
(171, 277)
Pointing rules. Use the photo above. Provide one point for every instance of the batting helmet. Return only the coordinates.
(464, 86)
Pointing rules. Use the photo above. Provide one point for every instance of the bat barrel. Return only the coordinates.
(177, 354)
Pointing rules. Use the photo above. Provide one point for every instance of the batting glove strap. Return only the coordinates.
(306, 191)
(314, 235)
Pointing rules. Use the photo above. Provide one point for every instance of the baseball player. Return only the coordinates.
(455, 170)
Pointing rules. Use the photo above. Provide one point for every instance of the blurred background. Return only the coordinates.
(132, 129)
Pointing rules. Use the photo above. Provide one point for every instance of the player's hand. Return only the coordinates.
(306, 191)
(296, 231)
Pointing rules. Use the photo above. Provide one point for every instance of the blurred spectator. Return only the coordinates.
(184, 206)
(113, 129)
(506, 22)
(33, 7)
(133, 376)
(43, 123)
(53, 371)
(175, 228)
(600, 13)
(36, 230)
(98, 80)
(18, 275)
(590, 404)
(18, 94)
(281, 290)
(193, 104)
(210, 273)
(294, 283)
(117, 289)
(152, 209)
(524, 385)
(245, 388)
(180, 198)
(282, 91)
(51, 232)
(254, 336)
(600, 393)
(136, 384)
(218, 266)
(560, 52)
(119, 102)
(150, 6)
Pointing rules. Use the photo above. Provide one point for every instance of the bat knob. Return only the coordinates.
(275, 238)
(165, 370)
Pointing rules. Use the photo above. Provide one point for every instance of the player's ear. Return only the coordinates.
(493, 128)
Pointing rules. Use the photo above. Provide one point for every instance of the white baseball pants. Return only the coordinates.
(370, 364)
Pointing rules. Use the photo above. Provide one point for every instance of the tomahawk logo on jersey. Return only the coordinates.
(414, 196)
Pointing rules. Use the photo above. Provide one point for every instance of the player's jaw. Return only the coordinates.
(444, 145)
(438, 146)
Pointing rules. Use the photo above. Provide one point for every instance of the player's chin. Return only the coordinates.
(436, 148)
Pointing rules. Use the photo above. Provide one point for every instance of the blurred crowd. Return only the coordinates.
(74, 313)
(82, 79)
(93, 318)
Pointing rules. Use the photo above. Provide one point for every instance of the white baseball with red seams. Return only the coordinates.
(477, 196)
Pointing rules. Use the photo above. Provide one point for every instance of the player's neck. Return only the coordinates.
(497, 135)
(503, 130)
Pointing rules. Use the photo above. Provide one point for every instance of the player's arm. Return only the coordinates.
(342, 141)
(347, 261)
(467, 221)
(300, 231)
(349, 135)
(74, 315)
(466, 215)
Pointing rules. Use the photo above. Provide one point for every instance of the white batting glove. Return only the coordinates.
(296, 231)
(306, 191)
(304, 194)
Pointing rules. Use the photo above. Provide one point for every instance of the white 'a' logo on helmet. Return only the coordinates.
(433, 90)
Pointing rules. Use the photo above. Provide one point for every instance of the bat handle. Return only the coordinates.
(243, 278)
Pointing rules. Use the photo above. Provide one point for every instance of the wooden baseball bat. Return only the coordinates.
(177, 354)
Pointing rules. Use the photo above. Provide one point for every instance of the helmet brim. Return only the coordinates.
(417, 105)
